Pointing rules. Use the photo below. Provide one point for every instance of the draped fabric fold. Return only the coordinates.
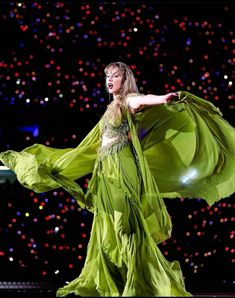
(42, 168)
(190, 148)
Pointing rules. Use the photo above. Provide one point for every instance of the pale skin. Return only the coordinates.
(138, 102)
(114, 83)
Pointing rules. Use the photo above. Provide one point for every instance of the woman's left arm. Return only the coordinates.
(137, 102)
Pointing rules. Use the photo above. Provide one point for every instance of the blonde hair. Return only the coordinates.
(115, 109)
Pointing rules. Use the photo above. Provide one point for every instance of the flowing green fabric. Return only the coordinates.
(190, 148)
(184, 148)
(42, 168)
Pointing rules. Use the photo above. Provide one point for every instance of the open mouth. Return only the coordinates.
(110, 86)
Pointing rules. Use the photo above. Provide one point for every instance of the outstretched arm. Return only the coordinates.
(139, 101)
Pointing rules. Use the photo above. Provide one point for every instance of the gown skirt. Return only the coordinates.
(122, 257)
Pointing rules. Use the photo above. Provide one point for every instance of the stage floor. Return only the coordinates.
(51, 294)
(46, 290)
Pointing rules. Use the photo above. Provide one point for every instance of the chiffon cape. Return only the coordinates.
(184, 148)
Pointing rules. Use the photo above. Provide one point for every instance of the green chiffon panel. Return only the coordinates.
(42, 168)
(190, 148)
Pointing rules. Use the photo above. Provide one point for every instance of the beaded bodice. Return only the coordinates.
(114, 137)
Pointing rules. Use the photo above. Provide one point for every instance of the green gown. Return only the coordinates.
(180, 149)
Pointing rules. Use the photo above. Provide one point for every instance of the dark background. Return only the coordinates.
(52, 57)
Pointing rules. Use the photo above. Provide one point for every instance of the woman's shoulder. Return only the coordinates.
(132, 103)
(133, 94)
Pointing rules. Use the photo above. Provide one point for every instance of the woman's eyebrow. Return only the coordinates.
(116, 72)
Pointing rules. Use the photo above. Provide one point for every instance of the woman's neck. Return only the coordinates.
(115, 96)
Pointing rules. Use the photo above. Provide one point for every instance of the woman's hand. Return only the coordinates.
(170, 96)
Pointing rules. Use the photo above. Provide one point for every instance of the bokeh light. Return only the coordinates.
(52, 92)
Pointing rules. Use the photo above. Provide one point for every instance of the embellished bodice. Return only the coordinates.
(113, 138)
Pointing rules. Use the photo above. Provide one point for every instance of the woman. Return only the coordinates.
(144, 148)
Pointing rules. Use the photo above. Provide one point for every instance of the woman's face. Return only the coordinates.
(114, 80)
